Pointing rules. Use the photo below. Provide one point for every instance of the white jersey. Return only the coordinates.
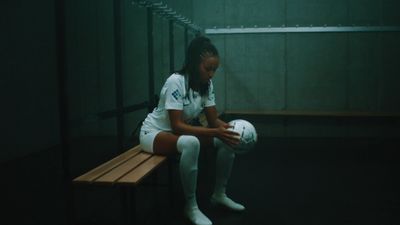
(174, 95)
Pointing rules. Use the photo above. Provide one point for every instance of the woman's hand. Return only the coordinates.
(229, 137)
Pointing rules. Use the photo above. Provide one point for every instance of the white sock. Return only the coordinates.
(223, 200)
(189, 147)
(225, 158)
(196, 216)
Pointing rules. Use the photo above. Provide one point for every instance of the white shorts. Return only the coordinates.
(147, 137)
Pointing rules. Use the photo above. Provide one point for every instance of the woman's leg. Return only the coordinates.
(165, 143)
(224, 162)
(189, 148)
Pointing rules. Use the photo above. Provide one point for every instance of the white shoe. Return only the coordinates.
(196, 216)
(223, 200)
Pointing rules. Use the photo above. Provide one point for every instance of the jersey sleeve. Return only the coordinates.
(174, 94)
(210, 98)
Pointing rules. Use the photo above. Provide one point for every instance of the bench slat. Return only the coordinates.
(124, 168)
(107, 166)
(142, 170)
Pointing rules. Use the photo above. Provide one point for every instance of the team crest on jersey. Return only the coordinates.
(176, 94)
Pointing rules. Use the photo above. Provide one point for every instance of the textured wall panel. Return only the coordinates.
(389, 96)
(317, 75)
(254, 12)
(364, 68)
(135, 55)
(316, 12)
(161, 53)
(29, 83)
(179, 46)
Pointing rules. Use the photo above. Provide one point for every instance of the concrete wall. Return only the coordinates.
(324, 72)
(30, 153)
(307, 71)
(311, 71)
(29, 121)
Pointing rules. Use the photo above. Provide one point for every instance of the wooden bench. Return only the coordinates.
(127, 169)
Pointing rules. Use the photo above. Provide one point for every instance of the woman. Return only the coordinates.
(168, 129)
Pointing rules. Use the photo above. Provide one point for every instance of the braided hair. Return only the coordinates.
(199, 48)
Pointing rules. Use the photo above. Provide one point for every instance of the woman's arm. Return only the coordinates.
(212, 117)
(213, 121)
(179, 127)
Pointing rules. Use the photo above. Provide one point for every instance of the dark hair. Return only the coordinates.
(199, 47)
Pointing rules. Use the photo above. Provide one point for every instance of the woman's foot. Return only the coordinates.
(222, 199)
(196, 216)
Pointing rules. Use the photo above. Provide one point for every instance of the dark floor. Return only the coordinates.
(306, 181)
(282, 181)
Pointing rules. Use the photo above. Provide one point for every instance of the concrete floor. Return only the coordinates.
(283, 181)
(305, 181)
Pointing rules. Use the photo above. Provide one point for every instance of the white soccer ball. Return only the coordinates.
(248, 135)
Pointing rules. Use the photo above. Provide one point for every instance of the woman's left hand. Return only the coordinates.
(228, 136)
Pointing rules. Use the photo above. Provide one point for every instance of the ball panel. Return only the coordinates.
(248, 135)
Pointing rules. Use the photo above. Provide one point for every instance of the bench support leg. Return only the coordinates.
(129, 204)
(170, 183)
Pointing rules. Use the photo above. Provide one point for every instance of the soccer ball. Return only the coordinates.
(248, 135)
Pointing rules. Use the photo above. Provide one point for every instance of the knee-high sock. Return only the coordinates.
(224, 163)
(189, 147)
(225, 159)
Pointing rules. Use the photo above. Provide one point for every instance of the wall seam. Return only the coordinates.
(225, 76)
(285, 74)
(347, 74)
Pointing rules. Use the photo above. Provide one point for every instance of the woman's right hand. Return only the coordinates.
(229, 137)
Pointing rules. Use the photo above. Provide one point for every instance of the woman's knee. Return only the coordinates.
(188, 142)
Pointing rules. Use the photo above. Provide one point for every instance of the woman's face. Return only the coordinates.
(207, 68)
